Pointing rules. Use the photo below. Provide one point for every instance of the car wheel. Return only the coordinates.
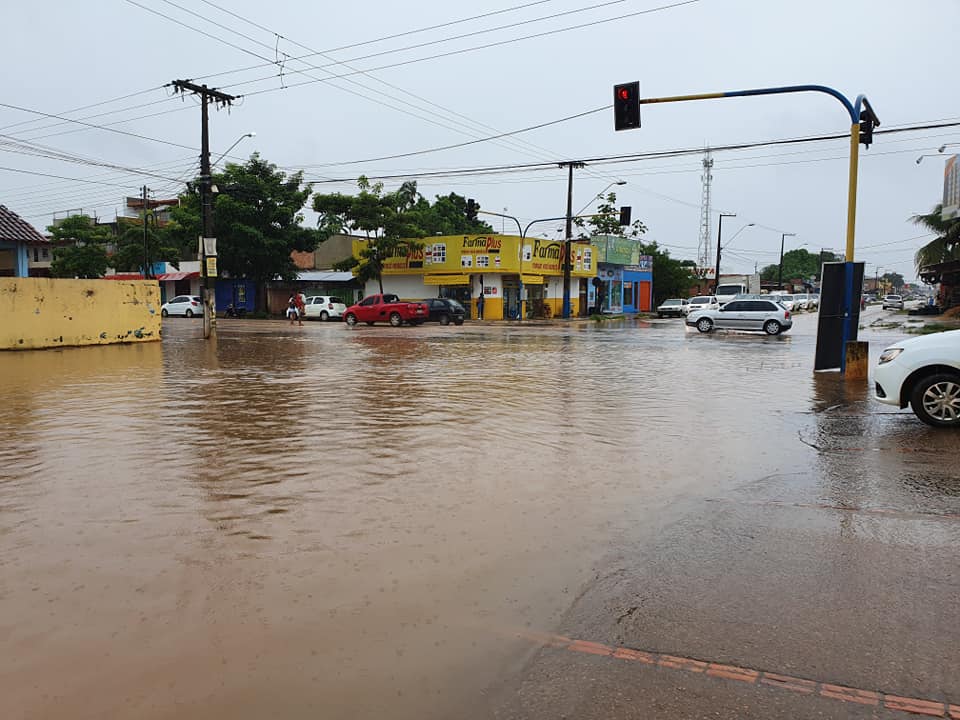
(350, 319)
(771, 327)
(164, 313)
(704, 325)
(395, 319)
(936, 400)
(189, 312)
(444, 319)
(458, 321)
(324, 316)
(370, 323)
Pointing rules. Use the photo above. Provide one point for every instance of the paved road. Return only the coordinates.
(828, 588)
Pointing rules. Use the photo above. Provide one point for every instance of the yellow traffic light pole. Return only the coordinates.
(862, 122)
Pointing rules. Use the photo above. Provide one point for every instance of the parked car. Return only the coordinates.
(386, 308)
(323, 307)
(766, 315)
(923, 372)
(445, 311)
(702, 302)
(893, 302)
(790, 302)
(673, 307)
(186, 305)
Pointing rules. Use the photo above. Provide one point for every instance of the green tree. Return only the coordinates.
(797, 263)
(130, 245)
(391, 222)
(945, 246)
(82, 248)
(257, 216)
(671, 277)
(606, 221)
(894, 279)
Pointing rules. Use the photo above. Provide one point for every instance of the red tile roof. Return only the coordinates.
(15, 228)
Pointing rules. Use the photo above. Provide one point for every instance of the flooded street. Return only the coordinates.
(322, 522)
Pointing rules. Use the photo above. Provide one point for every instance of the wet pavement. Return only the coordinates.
(421, 522)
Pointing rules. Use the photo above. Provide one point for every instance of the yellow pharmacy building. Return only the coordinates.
(515, 275)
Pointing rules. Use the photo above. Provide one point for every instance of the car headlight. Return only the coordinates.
(889, 354)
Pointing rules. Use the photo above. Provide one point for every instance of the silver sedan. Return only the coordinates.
(766, 315)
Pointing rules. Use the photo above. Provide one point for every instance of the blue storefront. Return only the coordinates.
(624, 280)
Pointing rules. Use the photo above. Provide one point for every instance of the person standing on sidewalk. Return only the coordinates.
(480, 304)
(301, 307)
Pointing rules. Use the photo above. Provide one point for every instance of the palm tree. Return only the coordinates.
(944, 247)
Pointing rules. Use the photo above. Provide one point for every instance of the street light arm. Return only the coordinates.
(227, 152)
(509, 217)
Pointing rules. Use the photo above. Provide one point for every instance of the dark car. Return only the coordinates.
(445, 311)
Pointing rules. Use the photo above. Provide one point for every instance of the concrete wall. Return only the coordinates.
(44, 312)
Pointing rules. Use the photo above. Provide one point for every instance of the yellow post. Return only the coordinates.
(852, 189)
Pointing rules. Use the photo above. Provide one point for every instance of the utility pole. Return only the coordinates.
(206, 196)
(568, 244)
(146, 256)
(780, 271)
(716, 273)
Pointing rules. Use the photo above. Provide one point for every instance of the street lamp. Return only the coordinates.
(939, 150)
(783, 236)
(600, 194)
(239, 140)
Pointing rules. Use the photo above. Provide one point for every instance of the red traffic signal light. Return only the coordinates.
(626, 106)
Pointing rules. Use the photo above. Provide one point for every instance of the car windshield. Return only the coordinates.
(729, 289)
(336, 300)
(700, 301)
(893, 297)
(672, 301)
(455, 305)
(786, 298)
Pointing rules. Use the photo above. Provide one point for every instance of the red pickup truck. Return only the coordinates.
(386, 308)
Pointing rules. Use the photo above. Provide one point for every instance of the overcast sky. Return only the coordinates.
(63, 55)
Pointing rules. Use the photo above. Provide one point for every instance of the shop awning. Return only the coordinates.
(531, 279)
(446, 279)
(167, 277)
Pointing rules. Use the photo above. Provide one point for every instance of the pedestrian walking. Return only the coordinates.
(292, 312)
(301, 307)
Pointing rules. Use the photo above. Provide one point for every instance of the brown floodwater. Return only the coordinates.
(323, 522)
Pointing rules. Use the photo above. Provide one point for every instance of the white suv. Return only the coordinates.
(923, 372)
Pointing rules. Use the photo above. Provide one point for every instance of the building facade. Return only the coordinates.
(515, 276)
(624, 276)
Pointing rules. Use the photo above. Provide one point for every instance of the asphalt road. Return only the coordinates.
(830, 588)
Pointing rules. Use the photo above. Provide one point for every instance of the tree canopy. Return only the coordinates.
(392, 222)
(132, 255)
(945, 246)
(797, 263)
(83, 253)
(257, 216)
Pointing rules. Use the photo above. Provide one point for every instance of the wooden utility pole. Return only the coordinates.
(206, 196)
(146, 258)
(568, 244)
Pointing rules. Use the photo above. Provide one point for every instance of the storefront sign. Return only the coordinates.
(487, 253)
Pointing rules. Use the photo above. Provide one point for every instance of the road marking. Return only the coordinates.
(751, 676)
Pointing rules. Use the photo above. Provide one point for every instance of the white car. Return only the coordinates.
(893, 302)
(766, 315)
(790, 302)
(323, 307)
(923, 372)
(186, 305)
(673, 307)
(702, 302)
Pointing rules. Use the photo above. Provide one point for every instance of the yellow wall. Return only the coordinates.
(45, 312)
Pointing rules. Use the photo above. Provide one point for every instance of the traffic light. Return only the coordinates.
(626, 106)
(625, 213)
(868, 121)
(472, 209)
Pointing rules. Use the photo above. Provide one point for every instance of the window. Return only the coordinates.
(335, 300)
(466, 261)
(36, 254)
(439, 253)
(735, 306)
(628, 293)
(587, 257)
(46, 253)
(368, 301)
(483, 261)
